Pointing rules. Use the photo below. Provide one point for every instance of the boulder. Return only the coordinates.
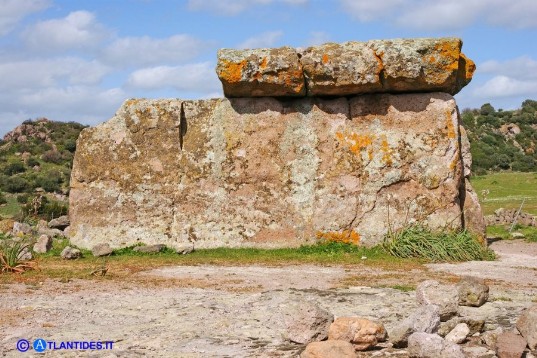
(149, 249)
(6, 226)
(475, 325)
(472, 291)
(510, 345)
(490, 338)
(332, 163)
(21, 229)
(101, 250)
(458, 334)
(473, 215)
(329, 349)
(70, 253)
(361, 332)
(306, 322)
(59, 223)
(274, 72)
(43, 244)
(424, 319)
(527, 326)
(426, 345)
(184, 248)
(431, 292)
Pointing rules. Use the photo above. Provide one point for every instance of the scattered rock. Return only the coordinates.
(472, 291)
(25, 254)
(517, 235)
(101, 250)
(458, 334)
(185, 248)
(70, 253)
(43, 244)
(329, 349)
(426, 319)
(527, 326)
(306, 322)
(21, 229)
(475, 325)
(361, 332)
(150, 249)
(490, 338)
(431, 292)
(510, 345)
(478, 352)
(421, 344)
(59, 223)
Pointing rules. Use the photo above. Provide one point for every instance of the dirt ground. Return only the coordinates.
(211, 311)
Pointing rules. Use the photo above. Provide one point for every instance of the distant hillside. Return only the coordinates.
(36, 158)
(503, 140)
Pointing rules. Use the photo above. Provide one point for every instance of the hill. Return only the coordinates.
(502, 140)
(35, 167)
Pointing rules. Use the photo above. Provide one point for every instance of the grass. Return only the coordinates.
(12, 208)
(507, 190)
(502, 231)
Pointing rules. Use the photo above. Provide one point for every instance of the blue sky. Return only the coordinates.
(79, 60)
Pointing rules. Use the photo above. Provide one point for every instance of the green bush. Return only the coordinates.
(52, 156)
(15, 184)
(14, 168)
(32, 162)
(3, 199)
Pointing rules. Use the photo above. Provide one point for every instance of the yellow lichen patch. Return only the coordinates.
(469, 67)
(450, 128)
(356, 142)
(263, 63)
(325, 59)
(387, 152)
(232, 71)
(449, 52)
(345, 236)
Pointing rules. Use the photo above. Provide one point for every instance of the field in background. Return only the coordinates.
(506, 190)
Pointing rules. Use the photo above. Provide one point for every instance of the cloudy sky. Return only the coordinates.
(79, 60)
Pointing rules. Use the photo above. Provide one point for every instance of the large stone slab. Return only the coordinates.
(266, 172)
(350, 68)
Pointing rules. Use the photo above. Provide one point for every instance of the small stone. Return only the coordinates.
(431, 292)
(361, 332)
(510, 345)
(490, 338)
(185, 248)
(101, 250)
(43, 244)
(517, 235)
(25, 254)
(476, 326)
(472, 292)
(59, 223)
(422, 344)
(426, 319)
(329, 349)
(458, 334)
(70, 253)
(21, 229)
(150, 249)
(527, 326)
(6, 226)
(306, 322)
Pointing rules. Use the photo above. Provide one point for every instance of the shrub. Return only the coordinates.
(23, 198)
(10, 256)
(14, 168)
(32, 162)
(15, 185)
(52, 156)
(3, 199)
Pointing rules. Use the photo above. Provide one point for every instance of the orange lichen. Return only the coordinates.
(449, 52)
(232, 71)
(386, 150)
(469, 67)
(263, 63)
(356, 142)
(345, 236)
(449, 126)
(325, 59)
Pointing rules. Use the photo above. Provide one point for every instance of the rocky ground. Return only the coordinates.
(208, 311)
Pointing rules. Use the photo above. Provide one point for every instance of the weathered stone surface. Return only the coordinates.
(431, 292)
(527, 326)
(21, 229)
(329, 349)
(6, 225)
(350, 68)
(426, 345)
(265, 172)
(472, 291)
(490, 338)
(59, 223)
(261, 72)
(43, 244)
(70, 253)
(473, 215)
(306, 322)
(361, 332)
(184, 248)
(478, 352)
(102, 249)
(458, 334)
(151, 249)
(425, 318)
(475, 325)
(510, 345)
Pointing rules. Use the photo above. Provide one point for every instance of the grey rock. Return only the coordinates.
(510, 345)
(50, 232)
(25, 254)
(306, 322)
(185, 248)
(490, 338)
(475, 325)
(472, 291)
(517, 235)
(478, 352)
(101, 250)
(20, 229)
(458, 334)
(428, 345)
(43, 244)
(70, 253)
(431, 292)
(150, 249)
(527, 326)
(59, 223)
(426, 319)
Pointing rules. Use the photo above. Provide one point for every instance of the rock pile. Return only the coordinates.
(503, 216)
(331, 141)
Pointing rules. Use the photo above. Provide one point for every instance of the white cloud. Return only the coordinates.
(150, 51)
(503, 86)
(197, 77)
(318, 38)
(445, 15)
(13, 11)
(521, 67)
(78, 30)
(266, 39)
(234, 7)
